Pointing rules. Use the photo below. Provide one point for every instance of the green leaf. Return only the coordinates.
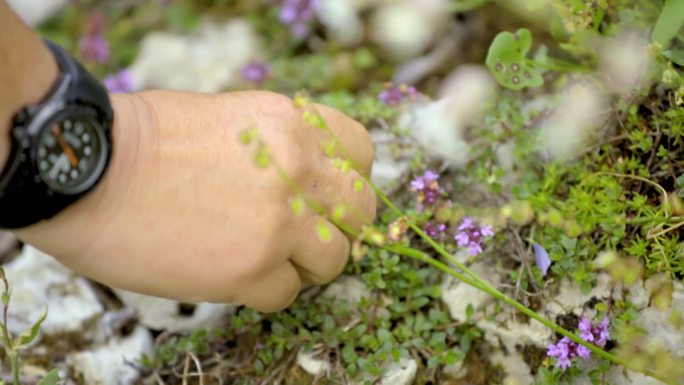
(675, 55)
(52, 378)
(29, 335)
(669, 23)
(469, 311)
(507, 61)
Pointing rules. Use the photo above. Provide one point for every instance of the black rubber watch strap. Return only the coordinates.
(24, 198)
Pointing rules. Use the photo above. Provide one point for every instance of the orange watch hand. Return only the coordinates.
(67, 150)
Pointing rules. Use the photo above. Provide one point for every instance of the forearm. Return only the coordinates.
(27, 70)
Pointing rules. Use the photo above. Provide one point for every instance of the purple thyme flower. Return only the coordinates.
(93, 45)
(566, 349)
(426, 188)
(298, 15)
(541, 257)
(393, 95)
(256, 71)
(585, 329)
(472, 236)
(601, 332)
(120, 82)
(435, 230)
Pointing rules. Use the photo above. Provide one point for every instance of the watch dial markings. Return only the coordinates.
(70, 155)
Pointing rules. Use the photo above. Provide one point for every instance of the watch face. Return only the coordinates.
(72, 154)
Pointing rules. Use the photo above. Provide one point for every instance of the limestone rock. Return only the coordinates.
(571, 299)
(312, 365)
(458, 295)
(387, 168)
(38, 280)
(209, 60)
(108, 364)
(165, 314)
(34, 12)
(400, 373)
(347, 288)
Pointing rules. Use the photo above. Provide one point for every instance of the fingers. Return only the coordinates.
(274, 291)
(354, 143)
(321, 252)
(347, 198)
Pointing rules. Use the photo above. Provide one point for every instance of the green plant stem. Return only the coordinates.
(14, 361)
(421, 256)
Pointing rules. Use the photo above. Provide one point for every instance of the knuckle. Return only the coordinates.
(296, 163)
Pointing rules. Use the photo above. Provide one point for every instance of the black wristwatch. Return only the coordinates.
(61, 147)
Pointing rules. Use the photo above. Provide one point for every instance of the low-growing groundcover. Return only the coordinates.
(569, 170)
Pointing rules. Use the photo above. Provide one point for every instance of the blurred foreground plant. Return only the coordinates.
(13, 345)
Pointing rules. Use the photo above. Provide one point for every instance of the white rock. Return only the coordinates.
(34, 12)
(517, 370)
(440, 125)
(312, 365)
(387, 167)
(400, 373)
(209, 60)
(347, 288)
(458, 295)
(38, 280)
(164, 314)
(660, 329)
(342, 20)
(511, 333)
(107, 364)
(637, 295)
(579, 113)
(626, 60)
(570, 298)
(405, 28)
(415, 70)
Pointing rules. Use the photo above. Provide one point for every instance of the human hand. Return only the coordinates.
(184, 212)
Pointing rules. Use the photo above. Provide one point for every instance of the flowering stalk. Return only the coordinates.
(477, 282)
(465, 275)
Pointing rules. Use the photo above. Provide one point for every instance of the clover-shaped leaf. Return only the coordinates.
(506, 59)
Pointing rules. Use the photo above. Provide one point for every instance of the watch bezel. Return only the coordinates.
(75, 113)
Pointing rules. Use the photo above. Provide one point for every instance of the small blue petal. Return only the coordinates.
(542, 258)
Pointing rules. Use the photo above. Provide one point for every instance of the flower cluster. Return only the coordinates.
(298, 15)
(93, 46)
(426, 188)
(256, 71)
(397, 229)
(434, 229)
(566, 349)
(393, 95)
(120, 82)
(472, 236)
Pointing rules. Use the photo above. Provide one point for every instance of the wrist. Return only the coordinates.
(26, 75)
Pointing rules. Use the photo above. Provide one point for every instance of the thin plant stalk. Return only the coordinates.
(474, 280)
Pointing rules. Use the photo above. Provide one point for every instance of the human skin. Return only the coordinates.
(183, 211)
